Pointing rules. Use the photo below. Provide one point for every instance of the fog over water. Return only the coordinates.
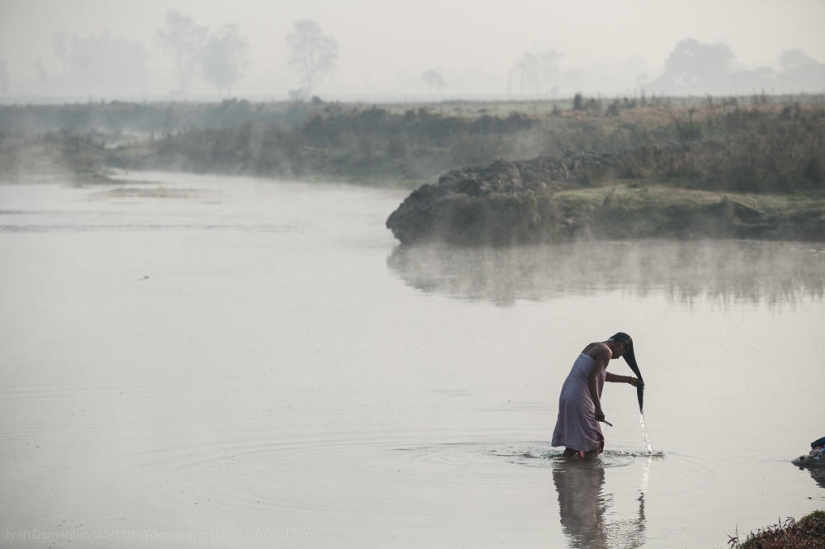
(109, 49)
(730, 272)
(194, 361)
(203, 361)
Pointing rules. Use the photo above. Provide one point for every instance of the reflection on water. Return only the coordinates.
(817, 473)
(262, 369)
(584, 508)
(819, 476)
(722, 271)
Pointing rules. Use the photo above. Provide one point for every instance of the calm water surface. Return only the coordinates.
(223, 362)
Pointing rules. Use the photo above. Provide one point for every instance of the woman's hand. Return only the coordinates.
(636, 382)
(599, 414)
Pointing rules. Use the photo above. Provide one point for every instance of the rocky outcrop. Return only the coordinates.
(529, 201)
(503, 203)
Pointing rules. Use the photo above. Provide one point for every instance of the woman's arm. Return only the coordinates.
(621, 379)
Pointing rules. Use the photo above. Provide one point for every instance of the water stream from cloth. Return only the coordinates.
(645, 435)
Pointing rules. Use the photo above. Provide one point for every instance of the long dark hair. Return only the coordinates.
(630, 357)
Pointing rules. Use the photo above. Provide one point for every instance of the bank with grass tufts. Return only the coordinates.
(550, 200)
(719, 171)
(735, 167)
(806, 533)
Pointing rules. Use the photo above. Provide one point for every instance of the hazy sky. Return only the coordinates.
(384, 45)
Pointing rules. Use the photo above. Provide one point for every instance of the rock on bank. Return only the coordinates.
(503, 203)
(550, 199)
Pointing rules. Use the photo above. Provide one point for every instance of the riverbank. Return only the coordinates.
(807, 533)
(730, 167)
(627, 211)
(545, 200)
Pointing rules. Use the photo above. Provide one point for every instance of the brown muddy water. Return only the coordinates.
(226, 362)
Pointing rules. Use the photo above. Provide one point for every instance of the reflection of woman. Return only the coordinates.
(583, 509)
(580, 408)
(581, 504)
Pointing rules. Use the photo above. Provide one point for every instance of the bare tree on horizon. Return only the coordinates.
(312, 53)
(225, 58)
(184, 42)
(434, 81)
(538, 71)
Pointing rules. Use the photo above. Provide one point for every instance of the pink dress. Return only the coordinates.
(576, 426)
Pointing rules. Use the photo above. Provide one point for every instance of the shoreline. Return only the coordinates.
(498, 173)
(807, 532)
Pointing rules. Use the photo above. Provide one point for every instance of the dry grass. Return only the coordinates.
(807, 533)
(743, 145)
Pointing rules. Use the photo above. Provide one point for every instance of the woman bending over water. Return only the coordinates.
(580, 407)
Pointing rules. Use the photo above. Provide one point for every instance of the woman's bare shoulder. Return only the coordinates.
(597, 350)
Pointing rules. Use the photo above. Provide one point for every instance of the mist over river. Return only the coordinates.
(204, 361)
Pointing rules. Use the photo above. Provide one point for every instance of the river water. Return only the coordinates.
(194, 361)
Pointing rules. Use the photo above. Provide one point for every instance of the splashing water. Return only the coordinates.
(645, 436)
(645, 483)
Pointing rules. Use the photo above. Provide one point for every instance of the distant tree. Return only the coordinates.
(539, 71)
(801, 72)
(694, 67)
(312, 53)
(297, 95)
(184, 42)
(4, 77)
(434, 81)
(225, 58)
(794, 59)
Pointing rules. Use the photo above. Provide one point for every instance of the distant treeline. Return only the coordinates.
(343, 143)
(118, 116)
(755, 144)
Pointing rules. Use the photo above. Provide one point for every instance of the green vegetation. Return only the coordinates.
(628, 167)
(344, 143)
(725, 147)
(52, 155)
(807, 533)
(626, 211)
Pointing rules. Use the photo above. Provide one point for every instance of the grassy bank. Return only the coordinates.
(627, 211)
(722, 145)
(807, 533)
(749, 167)
(53, 156)
(754, 144)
